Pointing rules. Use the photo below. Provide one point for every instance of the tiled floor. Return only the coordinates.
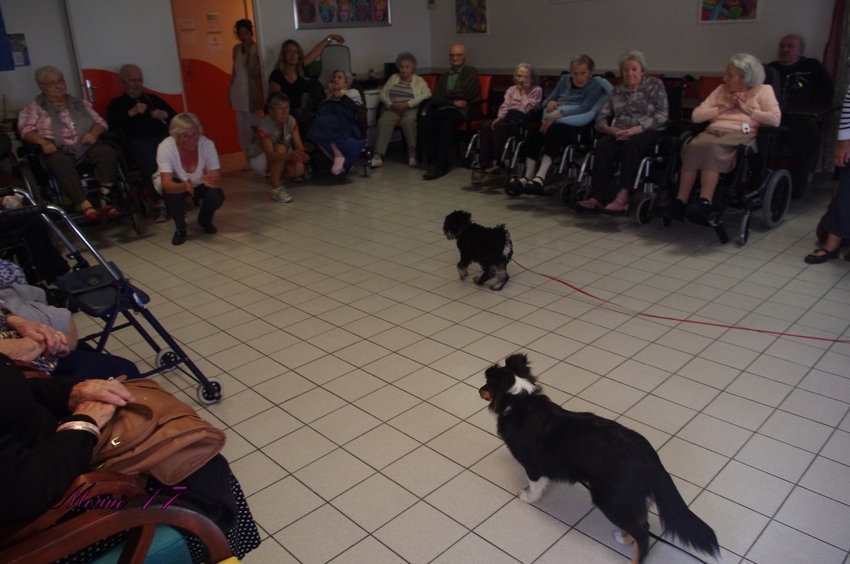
(351, 357)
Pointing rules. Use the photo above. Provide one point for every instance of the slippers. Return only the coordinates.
(821, 255)
(109, 212)
(535, 185)
(90, 214)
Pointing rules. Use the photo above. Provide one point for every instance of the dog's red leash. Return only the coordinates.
(666, 318)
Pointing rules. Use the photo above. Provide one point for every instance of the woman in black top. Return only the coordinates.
(288, 77)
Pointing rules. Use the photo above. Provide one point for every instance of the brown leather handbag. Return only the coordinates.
(158, 435)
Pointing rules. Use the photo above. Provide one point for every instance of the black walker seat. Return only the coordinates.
(101, 291)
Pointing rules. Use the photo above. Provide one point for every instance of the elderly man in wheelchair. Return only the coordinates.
(66, 129)
(738, 112)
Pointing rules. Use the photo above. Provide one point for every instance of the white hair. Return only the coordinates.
(749, 69)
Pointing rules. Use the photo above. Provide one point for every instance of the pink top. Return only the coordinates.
(761, 98)
(33, 118)
(522, 102)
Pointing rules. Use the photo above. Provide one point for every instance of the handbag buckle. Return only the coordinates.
(116, 441)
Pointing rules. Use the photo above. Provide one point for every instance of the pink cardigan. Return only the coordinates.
(522, 102)
(761, 98)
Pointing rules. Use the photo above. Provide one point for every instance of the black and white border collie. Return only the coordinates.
(619, 466)
(491, 247)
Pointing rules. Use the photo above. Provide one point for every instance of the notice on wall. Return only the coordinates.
(20, 53)
(215, 42)
(188, 32)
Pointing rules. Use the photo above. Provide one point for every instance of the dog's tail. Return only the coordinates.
(508, 250)
(679, 520)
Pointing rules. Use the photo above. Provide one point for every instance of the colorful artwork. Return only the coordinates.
(305, 12)
(728, 10)
(311, 14)
(470, 16)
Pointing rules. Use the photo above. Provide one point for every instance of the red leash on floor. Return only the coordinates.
(666, 318)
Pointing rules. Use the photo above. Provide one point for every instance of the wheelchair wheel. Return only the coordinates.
(777, 197)
(564, 193)
(308, 172)
(137, 217)
(165, 357)
(643, 211)
(579, 193)
(30, 183)
(207, 398)
(744, 231)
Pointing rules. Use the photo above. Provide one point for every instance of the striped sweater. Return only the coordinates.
(844, 124)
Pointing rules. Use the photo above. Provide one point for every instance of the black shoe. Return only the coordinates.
(433, 173)
(674, 209)
(701, 207)
(822, 257)
(209, 229)
(179, 238)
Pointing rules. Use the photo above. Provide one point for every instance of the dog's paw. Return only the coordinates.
(463, 273)
(623, 538)
(480, 280)
(528, 497)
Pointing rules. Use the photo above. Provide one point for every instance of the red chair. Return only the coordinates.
(707, 85)
(466, 130)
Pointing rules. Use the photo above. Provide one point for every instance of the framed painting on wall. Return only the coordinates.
(314, 14)
(728, 11)
(470, 16)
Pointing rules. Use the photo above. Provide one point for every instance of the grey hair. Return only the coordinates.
(41, 71)
(749, 69)
(582, 60)
(406, 57)
(348, 76)
(535, 78)
(182, 123)
(633, 55)
(122, 72)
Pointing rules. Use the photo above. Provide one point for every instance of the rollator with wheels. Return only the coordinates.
(103, 292)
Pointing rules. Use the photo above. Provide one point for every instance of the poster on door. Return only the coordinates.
(313, 14)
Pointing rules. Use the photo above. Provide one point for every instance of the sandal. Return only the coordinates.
(819, 256)
(90, 214)
(535, 185)
(109, 212)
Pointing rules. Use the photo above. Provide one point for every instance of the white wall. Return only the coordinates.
(548, 34)
(45, 24)
(371, 47)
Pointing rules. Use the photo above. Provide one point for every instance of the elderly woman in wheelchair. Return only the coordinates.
(630, 123)
(735, 110)
(569, 106)
(67, 129)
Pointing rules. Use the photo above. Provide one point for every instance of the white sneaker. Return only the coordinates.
(413, 162)
(376, 162)
(280, 195)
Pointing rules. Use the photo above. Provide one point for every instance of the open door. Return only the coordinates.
(205, 40)
(109, 34)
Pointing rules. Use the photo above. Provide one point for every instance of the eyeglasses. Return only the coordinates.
(52, 83)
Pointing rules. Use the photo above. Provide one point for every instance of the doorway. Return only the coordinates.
(205, 40)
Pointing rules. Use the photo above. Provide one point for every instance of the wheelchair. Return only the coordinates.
(334, 57)
(752, 186)
(43, 187)
(658, 173)
(565, 172)
(511, 160)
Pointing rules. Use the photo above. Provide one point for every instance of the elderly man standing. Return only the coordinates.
(143, 119)
(454, 99)
(806, 89)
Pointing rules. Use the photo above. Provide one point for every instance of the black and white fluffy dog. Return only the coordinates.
(619, 466)
(491, 247)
